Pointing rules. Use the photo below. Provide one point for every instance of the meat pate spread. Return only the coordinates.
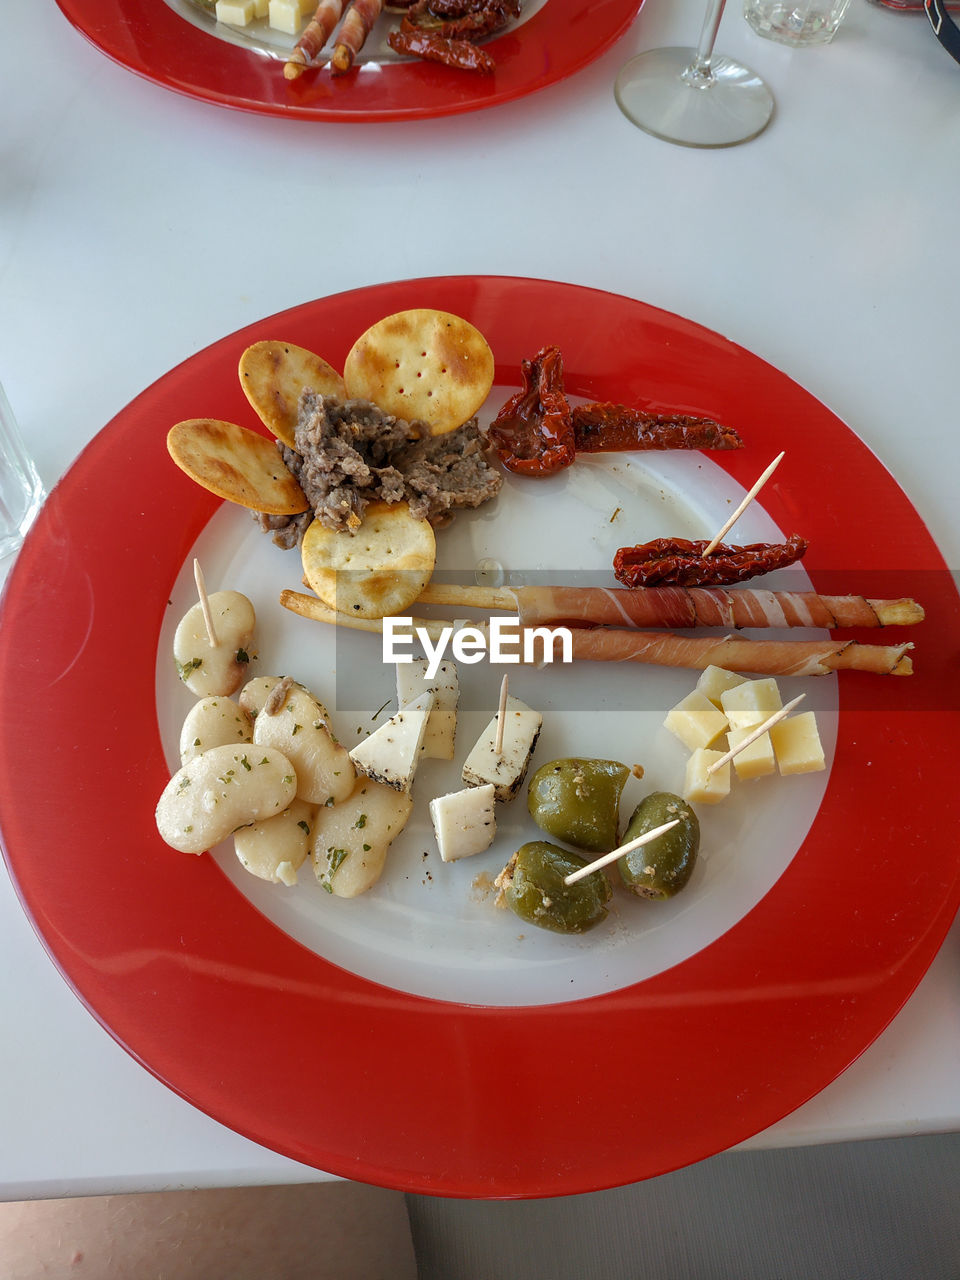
(349, 453)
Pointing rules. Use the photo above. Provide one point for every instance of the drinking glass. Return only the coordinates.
(693, 97)
(796, 22)
(21, 491)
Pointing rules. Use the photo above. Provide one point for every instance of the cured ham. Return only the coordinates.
(357, 25)
(759, 657)
(706, 607)
(663, 648)
(315, 35)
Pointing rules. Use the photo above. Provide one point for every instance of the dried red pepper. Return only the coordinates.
(679, 562)
(533, 432)
(608, 428)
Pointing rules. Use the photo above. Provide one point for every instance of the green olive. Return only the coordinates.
(579, 801)
(531, 885)
(661, 868)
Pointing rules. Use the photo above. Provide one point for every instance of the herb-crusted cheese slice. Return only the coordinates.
(412, 681)
(506, 771)
(391, 754)
(464, 822)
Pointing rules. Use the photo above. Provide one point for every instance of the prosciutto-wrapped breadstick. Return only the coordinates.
(315, 35)
(663, 648)
(762, 657)
(678, 606)
(706, 607)
(357, 25)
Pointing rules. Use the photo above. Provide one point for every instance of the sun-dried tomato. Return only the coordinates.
(609, 428)
(681, 563)
(533, 432)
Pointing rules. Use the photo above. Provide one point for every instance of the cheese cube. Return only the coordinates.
(700, 787)
(285, 15)
(715, 680)
(392, 753)
(796, 742)
(440, 737)
(521, 729)
(464, 822)
(755, 761)
(695, 720)
(751, 702)
(238, 13)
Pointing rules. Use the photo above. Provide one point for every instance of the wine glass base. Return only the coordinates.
(653, 93)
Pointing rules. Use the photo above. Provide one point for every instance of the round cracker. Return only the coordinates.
(422, 364)
(376, 572)
(236, 464)
(273, 374)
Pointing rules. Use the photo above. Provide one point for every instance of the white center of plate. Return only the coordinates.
(431, 928)
(259, 36)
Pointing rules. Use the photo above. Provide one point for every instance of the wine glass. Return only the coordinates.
(692, 97)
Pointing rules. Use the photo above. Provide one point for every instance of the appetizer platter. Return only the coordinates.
(797, 934)
(180, 45)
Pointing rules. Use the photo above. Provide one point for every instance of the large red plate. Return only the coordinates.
(415, 1093)
(148, 37)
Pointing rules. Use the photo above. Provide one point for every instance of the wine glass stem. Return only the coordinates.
(699, 75)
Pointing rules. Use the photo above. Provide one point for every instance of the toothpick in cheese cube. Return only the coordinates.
(701, 787)
(238, 13)
(391, 754)
(716, 680)
(505, 771)
(440, 737)
(750, 703)
(284, 15)
(756, 760)
(464, 822)
(695, 720)
(796, 742)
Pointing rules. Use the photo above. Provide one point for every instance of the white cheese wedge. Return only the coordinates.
(506, 771)
(440, 737)
(391, 754)
(695, 720)
(748, 703)
(715, 680)
(756, 760)
(701, 787)
(464, 822)
(796, 742)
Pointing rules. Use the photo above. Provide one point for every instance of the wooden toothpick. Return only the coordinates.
(205, 604)
(607, 858)
(501, 714)
(758, 732)
(712, 546)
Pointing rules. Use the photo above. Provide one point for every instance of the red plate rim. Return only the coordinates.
(418, 1094)
(150, 39)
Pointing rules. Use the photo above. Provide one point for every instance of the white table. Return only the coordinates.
(138, 226)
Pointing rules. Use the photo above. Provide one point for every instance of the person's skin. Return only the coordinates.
(323, 1231)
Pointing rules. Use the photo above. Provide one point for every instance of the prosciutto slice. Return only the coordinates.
(760, 657)
(315, 35)
(706, 607)
(357, 25)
